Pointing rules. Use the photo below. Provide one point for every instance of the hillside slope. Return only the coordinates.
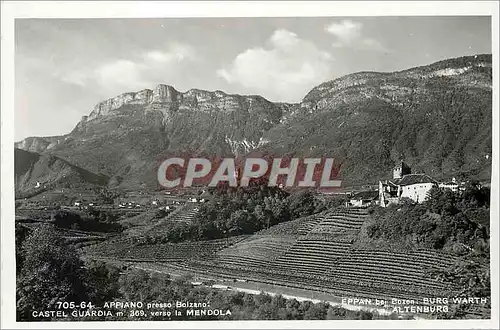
(34, 171)
(436, 117)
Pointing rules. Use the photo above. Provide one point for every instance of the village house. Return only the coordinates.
(364, 198)
(453, 185)
(404, 184)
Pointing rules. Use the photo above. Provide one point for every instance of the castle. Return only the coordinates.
(405, 185)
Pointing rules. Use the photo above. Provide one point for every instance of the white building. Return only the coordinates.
(453, 185)
(405, 185)
(416, 187)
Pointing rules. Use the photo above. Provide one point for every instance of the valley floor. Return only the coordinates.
(313, 258)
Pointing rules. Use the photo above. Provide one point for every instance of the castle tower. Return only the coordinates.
(400, 170)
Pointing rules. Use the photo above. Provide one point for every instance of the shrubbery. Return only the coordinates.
(51, 271)
(90, 220)
(453, 221)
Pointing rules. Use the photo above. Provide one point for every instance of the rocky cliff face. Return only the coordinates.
(166, 103)
(400, 88)
(167, 98)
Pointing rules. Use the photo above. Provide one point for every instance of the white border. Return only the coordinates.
(109, 9)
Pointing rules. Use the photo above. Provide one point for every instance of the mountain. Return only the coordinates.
(34, 171)
(126, 137)
(436, 117)
(39, 144)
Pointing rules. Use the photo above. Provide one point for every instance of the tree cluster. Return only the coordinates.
(242, 211)
(90, 220)
(456, 222)
(51, 271)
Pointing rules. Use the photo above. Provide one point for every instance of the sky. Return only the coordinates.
(63, 67)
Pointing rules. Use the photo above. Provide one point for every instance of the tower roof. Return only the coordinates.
(401, 164)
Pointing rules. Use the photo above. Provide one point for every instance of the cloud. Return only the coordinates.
(176, 52)
(284, 70)
(122, 73)
(369, 43)
(349, 34)
(346, 31)
(144, 70)
(74, 78)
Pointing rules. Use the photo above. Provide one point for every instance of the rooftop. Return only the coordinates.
(410, 179)
(366, 195)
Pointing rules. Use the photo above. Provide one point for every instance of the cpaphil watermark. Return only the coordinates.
(284, 172)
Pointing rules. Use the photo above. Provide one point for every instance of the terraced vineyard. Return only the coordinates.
(293, 247)
(388, 270)
(314, 253)
(320, 243)
(293, 280)
(300, 226)
(340, 220)
(311, 256)
(127, 249)
(186, 213)
(258, 251)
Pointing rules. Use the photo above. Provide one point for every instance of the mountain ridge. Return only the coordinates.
(367, 119)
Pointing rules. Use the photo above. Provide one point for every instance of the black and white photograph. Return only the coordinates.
(256, 165)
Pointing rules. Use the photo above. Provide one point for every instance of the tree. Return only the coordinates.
(52, 272)
(106, 196)
(468, 277)
(316, 312)
(336, 313)
(138, 285)
(160, 213)
(241, 222)
(102, 283)
(66, 219)
(441, 201)
(278, 208)
(20, 236)
(364, 315)
(301, 204)
(474, 196)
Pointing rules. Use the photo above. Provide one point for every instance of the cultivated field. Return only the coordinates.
(313, 253)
